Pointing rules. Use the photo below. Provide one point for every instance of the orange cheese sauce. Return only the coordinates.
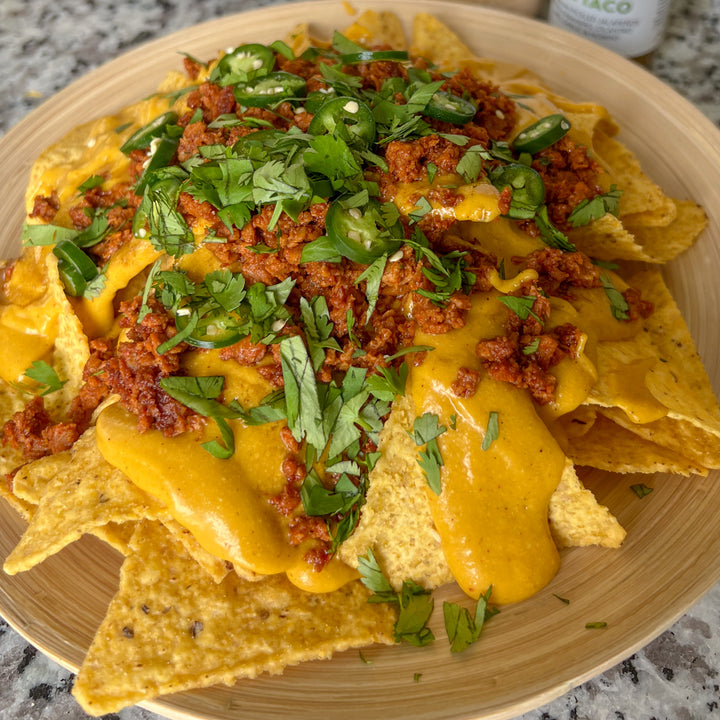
(493, 532)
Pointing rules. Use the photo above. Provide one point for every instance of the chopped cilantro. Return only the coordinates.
(415, 603)
(588, 210)
(491, 432)
(463, 629)
(426, 430)
(522, 306)
(618, 305)
(641, 490)
(45, 376)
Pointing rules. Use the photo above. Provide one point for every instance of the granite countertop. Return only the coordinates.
(46, 44)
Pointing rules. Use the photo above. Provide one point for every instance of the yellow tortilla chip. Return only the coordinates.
(32, 479)
(298, 39)
(214, 566)
(84, 494)
(608, 446)
(434, 40)
(666, 242)
(71, 351)
(11, 401)
(377, 28)
(171, 627)
(607, 239)
(396, 522)
(397, 525)
(577, 519)
(655, 384)
(640, 193)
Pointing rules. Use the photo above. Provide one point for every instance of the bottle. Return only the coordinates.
(632, 28)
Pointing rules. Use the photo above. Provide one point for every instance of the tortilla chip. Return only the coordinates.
(213, 566)
(171, 627)
(655, 385)
(435, 41)
(11, 401)
(607, 239)
(298, 39)
(609, 446)
(666, 242)
(396, 521)
(31, 481)
(577, 519)
(71, 351)
(374, 28)
(641, 197)
(84, 494)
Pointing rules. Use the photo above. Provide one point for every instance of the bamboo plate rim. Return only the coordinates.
(533, 651)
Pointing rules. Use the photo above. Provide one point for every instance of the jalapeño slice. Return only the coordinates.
(355, 115)
(215, 329)
(526, 186)
(270, 90)
(160, 158)
(359, 234)
(450, 108)
(243, 64)
(541, 134)
(75, 267)
(145, 135)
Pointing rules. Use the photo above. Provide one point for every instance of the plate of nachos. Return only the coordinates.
(378, 338)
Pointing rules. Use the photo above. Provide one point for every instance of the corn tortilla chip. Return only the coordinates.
(655, 385)
(435, 41)
(11, 401)
(71, 351)
(577, 519)
(85, 493)
(609, 446)
(171, 627)
(214, 566)
(666, 242)
(374, 28)
(396, 521)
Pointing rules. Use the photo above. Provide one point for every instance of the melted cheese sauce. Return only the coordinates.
(223, 503)
(28, 326)
(479, 203)
(493, 532)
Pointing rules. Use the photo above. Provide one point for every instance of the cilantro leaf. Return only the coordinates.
(415, 603)
(372, 577)
(522, 306)
(462, 628)
(46, 234)
(588, 210)
(550, 234)
(373, 278)
(426, 430)
(640, 489)
(45, 375)
(302, 399)
(491, 432)
(618, 305)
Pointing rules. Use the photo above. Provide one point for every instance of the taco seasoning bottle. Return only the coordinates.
(632, 28)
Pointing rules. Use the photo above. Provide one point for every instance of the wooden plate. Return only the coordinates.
(535, 650)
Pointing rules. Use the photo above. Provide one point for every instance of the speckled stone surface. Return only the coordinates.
(46, 44)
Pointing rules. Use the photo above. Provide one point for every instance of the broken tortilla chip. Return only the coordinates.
(85, 493)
